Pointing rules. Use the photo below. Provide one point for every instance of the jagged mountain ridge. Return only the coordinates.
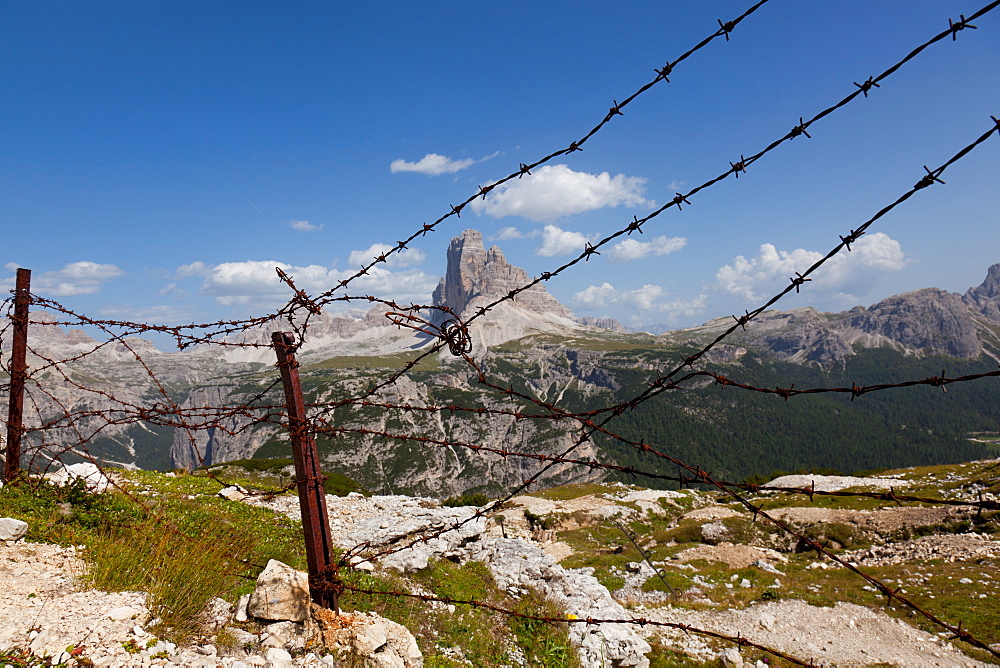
(474, 278)
(921, 322)
(560, 360)
(925, 321)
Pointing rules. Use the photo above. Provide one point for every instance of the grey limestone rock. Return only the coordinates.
(731, 658)
(923, 319)
(12, 529)
(714, 533)
(473, 272)
(370, 638)
(415, 521)
(90, 473)
(516, 564)
(282, 594)
(985, 298)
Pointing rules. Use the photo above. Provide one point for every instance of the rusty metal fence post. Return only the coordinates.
(312, 496)
(18, 373)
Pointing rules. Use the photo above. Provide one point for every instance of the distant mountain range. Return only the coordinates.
(927, 321)
(538, 345)
(922, 322)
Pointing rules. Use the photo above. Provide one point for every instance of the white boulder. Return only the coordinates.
(282, 594)
(95, 479)
(11, 529)
(233, 493)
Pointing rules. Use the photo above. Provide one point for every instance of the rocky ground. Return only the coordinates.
(44, 609)
(721, 576)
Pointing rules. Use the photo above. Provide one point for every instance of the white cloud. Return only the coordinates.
(649, 299)
(508, 233)
(304, 226)
(149, 314)
(847, 273)
(193, 269)
(633, 249)
(556, 190)
(256, 282)
(596, 296)
(406, 258)
(431, 164)
(76, 278)
(557, 241)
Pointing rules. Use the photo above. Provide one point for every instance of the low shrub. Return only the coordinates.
(467, 499)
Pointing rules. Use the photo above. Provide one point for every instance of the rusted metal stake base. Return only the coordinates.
(312, 496)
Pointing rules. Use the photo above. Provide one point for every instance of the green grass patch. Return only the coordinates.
(574, 491)
(64, 514)
(685, 533)
(467, 499)
(482, 636)
(180, 574)
(170, 537)
(271, 474)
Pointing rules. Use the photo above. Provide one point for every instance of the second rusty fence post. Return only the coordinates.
(309, 476)
(18, 373)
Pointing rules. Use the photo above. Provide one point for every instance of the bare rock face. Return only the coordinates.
(603, 323)
(924, 319)
(475, 274)
(805, 335)
(928, 321)
(477, 277)
(230, 439)
(12, 529)
(986, 297)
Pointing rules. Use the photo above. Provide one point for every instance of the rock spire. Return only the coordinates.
(986, 297)
(479, 276)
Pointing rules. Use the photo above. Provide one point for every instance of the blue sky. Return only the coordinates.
(157, 160)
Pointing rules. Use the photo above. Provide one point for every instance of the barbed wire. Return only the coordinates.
(738, 640)
(449, 330)
(785, 393)
(664, 382)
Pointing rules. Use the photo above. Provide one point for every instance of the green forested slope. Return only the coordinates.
(734, 433)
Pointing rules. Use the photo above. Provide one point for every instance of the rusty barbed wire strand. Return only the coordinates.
(661, 383)
(844, 243)
(662, 74)
(664, 382)
(213, 415)
(636, 225)
(588, 621)
(455, 335)
(300, 300)
(736, 168)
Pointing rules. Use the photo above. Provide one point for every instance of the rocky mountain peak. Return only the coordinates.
(927, 319)
(475, 274)
(986, 297)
